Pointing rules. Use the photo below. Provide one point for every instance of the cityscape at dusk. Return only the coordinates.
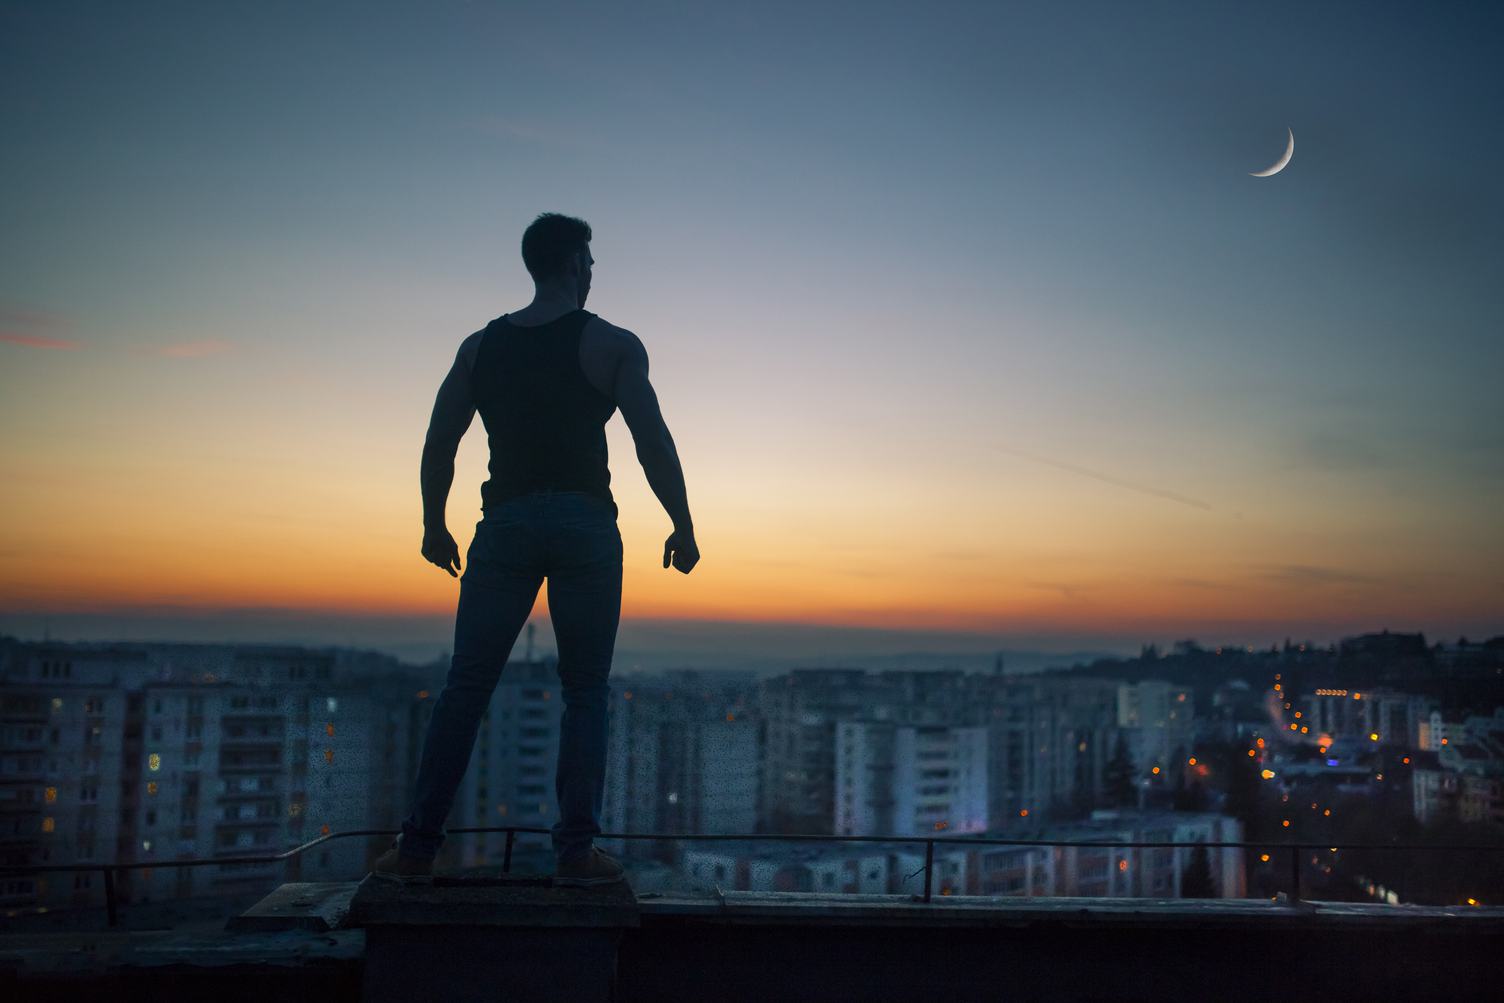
(816, 501)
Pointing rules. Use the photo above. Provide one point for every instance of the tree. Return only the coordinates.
(1196, 882)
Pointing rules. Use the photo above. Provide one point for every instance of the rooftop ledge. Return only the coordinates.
(521, 938)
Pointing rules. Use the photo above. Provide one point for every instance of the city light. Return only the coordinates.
(154, 762)
(1373, 736)
(50, 795)
(1286, 823)
(1267, 774)
(1264, 857)
(1191, 761)
(1155, 771)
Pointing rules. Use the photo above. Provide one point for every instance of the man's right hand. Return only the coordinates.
(680, 550)
(440, 549)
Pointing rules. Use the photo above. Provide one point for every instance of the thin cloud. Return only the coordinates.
(33, 341)
(1119, 482)
(1310, 575)
(196, 349)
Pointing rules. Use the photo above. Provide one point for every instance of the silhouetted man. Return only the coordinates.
(545, 380)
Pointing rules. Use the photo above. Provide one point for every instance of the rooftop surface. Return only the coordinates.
(520, 938)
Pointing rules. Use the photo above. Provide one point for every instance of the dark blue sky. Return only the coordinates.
(1000, 261)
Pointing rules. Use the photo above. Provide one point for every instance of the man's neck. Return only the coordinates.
(554, 301)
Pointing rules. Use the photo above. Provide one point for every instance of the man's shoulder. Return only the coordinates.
(614, 339)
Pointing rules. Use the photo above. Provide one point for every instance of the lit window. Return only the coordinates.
(146, 845)
(329, 729)
(1122, 865)
(294, 809)
(328, 755)
(151, 787)
(154, 762)
(332, 704)
(50, 795)
(57, 703)
(49, 824)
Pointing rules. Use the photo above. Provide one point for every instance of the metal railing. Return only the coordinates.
(511, 831)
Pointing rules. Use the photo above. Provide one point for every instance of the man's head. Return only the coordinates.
(556, 251)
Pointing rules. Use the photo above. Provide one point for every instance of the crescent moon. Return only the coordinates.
(1279, 164)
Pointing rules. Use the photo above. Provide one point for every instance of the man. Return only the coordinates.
(545, 380)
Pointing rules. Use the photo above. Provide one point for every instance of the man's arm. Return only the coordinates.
(635, 396)
(453, 410)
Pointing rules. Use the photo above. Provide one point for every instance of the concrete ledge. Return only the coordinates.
(818, 909)
(492, 902)
(298, 905)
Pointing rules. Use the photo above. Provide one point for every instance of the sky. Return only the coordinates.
(972, 327)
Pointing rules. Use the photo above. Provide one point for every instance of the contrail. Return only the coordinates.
(1109, 479)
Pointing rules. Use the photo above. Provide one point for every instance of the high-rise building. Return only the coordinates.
(800, 711)
(909, 779)
(143, 753)
(683, 757)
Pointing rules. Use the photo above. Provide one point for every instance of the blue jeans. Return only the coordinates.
(571, 539)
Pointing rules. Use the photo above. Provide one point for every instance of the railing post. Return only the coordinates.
(1295, 853)
(929, 865)
(109, 896)
(506, 860)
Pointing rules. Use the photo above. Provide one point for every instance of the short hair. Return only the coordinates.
(548, 242)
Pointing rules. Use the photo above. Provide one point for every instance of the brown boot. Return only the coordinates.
(594, 868)
(394, 866)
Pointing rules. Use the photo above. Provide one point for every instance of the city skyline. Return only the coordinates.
(972, 326)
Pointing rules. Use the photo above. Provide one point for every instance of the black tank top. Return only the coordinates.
(546, 424)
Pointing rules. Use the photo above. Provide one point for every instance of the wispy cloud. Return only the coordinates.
(34, 341)
(1311, 575)
(196, 349)
(34, 328)
(1120, 482)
